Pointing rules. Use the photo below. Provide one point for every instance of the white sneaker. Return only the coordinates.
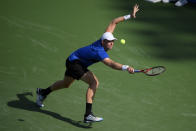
(153, 1)
(181, 3)
(166, 1)
(92, 118)
(40, 98)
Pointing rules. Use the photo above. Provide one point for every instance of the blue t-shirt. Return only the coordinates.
(90, 54)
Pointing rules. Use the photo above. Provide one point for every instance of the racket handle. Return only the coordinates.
(137, 71)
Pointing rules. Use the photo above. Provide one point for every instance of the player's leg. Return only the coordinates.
(93, 83)
(65, 83)
(42, 93)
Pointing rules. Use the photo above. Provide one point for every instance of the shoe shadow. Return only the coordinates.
(26, 104)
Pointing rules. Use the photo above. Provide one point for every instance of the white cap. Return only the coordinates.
(108, 36)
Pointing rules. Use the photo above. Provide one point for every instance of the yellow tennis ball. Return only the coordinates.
(122, 41)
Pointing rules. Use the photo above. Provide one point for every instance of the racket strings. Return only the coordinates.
(155, 71)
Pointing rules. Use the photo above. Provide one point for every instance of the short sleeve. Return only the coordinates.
(102, 55)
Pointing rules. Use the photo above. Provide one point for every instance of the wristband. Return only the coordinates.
(124, 67)
(126, 17)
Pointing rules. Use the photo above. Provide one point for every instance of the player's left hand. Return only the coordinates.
(135, 10)
(130, 70)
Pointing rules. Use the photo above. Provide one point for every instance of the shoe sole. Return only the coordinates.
(40, 105)
(86, 121)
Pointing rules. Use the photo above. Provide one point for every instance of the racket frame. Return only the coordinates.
(148, 69)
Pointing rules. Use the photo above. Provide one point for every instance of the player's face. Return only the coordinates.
(108, 44)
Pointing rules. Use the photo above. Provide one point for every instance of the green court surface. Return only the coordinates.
(38, 35)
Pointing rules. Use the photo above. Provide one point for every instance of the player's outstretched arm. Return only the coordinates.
(115, 21)
(109, 62)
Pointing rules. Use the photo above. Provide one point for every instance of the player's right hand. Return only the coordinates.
(130, 70)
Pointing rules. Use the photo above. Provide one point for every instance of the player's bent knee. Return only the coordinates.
(97, 84)
(94, 83)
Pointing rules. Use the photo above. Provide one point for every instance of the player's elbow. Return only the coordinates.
(114, 22)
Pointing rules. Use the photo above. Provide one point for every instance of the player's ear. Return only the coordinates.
(104, 41)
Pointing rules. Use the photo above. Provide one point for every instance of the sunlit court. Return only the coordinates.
(144, 76)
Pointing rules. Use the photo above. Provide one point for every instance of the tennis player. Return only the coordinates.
(78, 62)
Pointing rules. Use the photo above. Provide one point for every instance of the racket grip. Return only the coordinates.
(137, 71)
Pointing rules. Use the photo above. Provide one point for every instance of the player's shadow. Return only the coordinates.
(26, 104)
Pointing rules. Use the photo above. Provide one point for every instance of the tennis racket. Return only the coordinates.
(157, 70)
